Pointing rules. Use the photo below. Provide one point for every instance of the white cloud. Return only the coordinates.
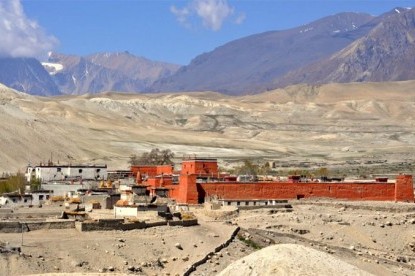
(213, 13)
(181, 14)
(240, 19)
(21, 36)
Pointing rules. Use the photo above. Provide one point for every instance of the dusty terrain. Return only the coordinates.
(330, 123)
(149, 251)
(375, 237)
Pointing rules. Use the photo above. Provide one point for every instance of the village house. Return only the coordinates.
(53, 172)
(34, 198)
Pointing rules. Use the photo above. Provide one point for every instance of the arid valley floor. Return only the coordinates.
(334, 123)
(377, 238)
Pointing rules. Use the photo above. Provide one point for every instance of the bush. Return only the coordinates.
(57, 198)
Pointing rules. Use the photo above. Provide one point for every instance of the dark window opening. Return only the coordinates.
(58, 169)
(80, 170)
(300, 196)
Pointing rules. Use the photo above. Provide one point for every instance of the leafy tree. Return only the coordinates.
(248, 168)
(35, 184)
(13, 183)
(154, 157)
(265, 169)
(321, 172)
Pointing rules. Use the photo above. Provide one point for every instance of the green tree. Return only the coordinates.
(35, 184)
(265, 169)
(154, 157)
(321, 172)
(248, 168)
(13, 183)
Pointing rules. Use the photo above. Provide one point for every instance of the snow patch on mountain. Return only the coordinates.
(52, 68)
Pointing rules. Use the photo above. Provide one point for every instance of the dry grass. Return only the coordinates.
(57, 198)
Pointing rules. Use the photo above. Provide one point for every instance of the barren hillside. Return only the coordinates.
(330, 122)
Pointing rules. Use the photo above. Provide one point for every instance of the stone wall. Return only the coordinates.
(26, 226)
(120, 224)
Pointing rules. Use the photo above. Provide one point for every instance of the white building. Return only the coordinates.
(28, 199)
(47, 173)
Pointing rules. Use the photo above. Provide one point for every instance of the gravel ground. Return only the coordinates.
(378, 238)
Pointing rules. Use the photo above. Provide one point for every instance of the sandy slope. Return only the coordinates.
(291, 259)
(330, 122)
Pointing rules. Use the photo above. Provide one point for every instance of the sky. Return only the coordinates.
(169, 31)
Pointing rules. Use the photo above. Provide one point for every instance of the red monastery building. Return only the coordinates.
(199, 178)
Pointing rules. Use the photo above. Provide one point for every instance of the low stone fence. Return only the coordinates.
(285, 206)
(372, 206)
(120, 224)
(21, 214)
(26, 226)
(187, 222)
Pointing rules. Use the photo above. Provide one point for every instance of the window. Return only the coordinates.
(25, 200)
(238, 203)
(229, 203)
(80, 170)
(47, 196)
(58, 169)
(41, 197)
(98, 170)
(246, 203)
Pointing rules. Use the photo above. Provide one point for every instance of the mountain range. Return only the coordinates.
(346, 47)
(105, 72)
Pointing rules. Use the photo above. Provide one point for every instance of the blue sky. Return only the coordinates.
(171, 31)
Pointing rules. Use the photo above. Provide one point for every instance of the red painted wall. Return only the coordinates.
(190, 192)
(278, 190)
(159, 181)
(152, 170)
(200, 167)
(404, 188)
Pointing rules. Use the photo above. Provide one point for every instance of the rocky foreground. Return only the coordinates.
(375, 238)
